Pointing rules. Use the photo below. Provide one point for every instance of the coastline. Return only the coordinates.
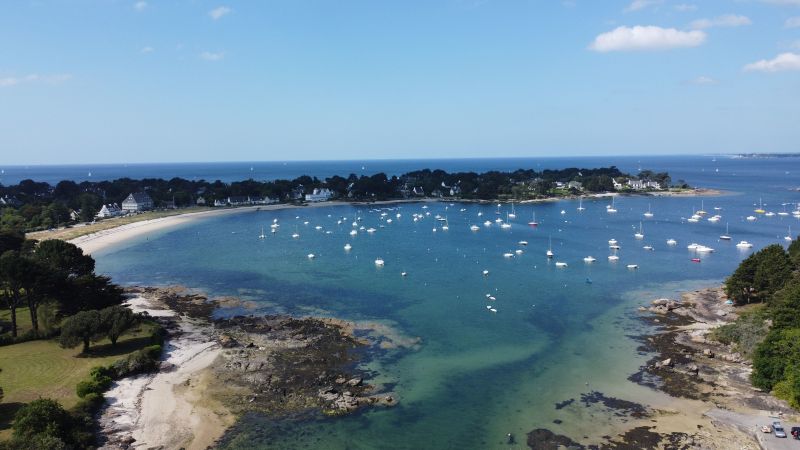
(690, 367)
(96, 241)
(214, 371)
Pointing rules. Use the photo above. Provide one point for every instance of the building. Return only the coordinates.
(244, 200)
(10, 201)
(640, 185)
(418, 191)
(137, 201)
(319, 195)
(575, 185)
(200, 201)
(110, 210)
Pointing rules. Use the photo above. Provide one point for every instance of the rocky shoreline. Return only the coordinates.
(276, 366)
(708, 381)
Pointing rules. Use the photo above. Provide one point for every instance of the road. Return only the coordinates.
(751, 424)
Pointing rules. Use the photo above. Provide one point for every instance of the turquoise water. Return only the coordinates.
(477, 375)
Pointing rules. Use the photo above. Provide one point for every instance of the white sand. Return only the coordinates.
(162, 409)
(94, 242)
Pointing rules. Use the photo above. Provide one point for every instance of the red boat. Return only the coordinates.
(695, 259)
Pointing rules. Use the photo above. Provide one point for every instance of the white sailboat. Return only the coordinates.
(550, 248)
(788, 237)
(513, 214)
(262, 235)
(648, 213)
(533, 222)
(701, 211)
(580, 204)
(726, 236)
(506, 225)
(640, 233)
(610, 208)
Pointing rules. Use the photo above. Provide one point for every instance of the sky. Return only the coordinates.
(112, 81)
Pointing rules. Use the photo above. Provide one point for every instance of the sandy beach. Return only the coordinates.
(167, 409)
(96, 241)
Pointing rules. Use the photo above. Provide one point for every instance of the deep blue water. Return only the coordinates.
(698, 169)
(477, 375)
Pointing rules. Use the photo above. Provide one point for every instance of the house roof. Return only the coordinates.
(139, 197)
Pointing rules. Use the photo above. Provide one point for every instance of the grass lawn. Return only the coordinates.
(43, 369)
(77, 231)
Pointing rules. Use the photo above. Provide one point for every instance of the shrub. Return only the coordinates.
(43, 419)
(141, 361)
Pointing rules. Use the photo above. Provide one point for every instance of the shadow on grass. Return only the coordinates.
(7, 413)
(122, 348)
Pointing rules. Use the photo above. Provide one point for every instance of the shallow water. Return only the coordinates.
(478, 375)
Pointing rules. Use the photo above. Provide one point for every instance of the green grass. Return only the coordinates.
(35, 369)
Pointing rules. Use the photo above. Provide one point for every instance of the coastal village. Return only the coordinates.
(44, 206)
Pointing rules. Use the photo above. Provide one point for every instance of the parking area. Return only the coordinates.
(752, 424)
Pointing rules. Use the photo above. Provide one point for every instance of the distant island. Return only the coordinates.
(767, 155)
(32, 206)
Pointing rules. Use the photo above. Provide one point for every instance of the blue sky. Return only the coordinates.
(192, 80)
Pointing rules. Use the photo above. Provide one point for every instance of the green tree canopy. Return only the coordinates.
(115, 320)
(83, 327)
(42, 420)
(65, 257)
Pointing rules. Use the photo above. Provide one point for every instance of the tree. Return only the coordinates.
(773, 271)
(64, 257)
(80, 328)
(89, 292)
(10, 240)
(115, 320)
(11, 276)
(42, 419)
(760, 275)
(794, 253)
(37, 281)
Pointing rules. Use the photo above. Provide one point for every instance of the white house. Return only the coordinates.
(109, 210)
(319, 195)
(137, 201)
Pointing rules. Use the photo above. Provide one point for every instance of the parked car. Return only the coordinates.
(795, 432)
(779, 431)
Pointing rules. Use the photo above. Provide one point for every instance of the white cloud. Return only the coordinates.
(34, 78)
(792, 22)
(637, 5)
(685, 7)
(211, 56)
(140, 6)
(147, 49)
(220, 12)
(727, 20)
(646, 38)
(784, 61)
(703, 81)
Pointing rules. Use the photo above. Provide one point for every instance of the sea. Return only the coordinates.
(485, 372)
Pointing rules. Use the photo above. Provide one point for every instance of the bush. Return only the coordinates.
(43, 420)
(745, 333)
(141, 361)
(94, 386)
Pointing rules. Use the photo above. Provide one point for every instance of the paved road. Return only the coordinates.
(752, 425)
